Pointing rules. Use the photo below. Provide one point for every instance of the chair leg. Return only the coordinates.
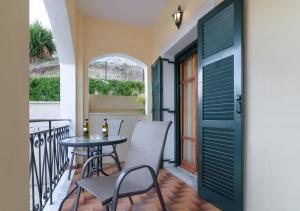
(117, 158)
(66, 197)
(70, 166)
(130, 199)
(108, 206)
(114, 204)
(161, 200)
(75, 205)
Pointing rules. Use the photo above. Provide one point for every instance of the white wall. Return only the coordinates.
(44, 110)
(68, 95)
(272, 91)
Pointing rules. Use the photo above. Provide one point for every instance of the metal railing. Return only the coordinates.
(48, 160)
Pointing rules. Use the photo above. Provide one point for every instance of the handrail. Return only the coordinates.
(48, 161)
(47, 120)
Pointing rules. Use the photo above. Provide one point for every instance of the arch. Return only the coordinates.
(134, 59)
(127, 56)
(60, 23)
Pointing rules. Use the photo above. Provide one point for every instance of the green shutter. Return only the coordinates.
(220, 173)
(157, 90)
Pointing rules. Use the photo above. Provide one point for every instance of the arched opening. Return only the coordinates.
(119, 81)
(61, 29)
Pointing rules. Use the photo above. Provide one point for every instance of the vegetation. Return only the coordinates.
(115, 87)
(142, 100)
(41, 45)
(44, 89)
(47, 88)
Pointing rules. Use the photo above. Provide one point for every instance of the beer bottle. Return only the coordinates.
(105, 128)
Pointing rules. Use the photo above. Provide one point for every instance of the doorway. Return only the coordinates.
(188, 87)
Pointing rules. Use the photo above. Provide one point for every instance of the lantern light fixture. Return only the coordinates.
(178, 17)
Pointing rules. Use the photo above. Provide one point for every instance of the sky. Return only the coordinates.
(38, 12)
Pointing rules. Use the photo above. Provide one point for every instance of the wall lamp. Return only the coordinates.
(178, 16)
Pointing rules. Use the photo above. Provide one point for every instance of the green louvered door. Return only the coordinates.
(157, 90)
(220, 106)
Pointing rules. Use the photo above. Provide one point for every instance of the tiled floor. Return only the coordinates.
(177, 195)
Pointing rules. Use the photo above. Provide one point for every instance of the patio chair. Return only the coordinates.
(140, 170)
(114, 129)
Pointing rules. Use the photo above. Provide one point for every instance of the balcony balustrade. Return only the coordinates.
(48, 160)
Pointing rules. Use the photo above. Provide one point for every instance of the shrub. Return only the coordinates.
(47, 88)
(44, 89)
(115, 87)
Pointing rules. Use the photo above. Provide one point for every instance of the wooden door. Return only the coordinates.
(188, 113)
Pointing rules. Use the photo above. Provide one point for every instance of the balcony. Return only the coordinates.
(49, 161)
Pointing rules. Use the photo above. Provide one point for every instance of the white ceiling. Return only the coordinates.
(140, 12)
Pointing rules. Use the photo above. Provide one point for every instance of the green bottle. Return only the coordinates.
(105, 128)
(86, 128)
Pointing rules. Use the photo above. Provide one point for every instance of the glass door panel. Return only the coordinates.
(188, 110)
(188, 71)
(188, 113)
(189, 151)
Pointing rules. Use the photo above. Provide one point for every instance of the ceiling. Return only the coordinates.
(139, 12)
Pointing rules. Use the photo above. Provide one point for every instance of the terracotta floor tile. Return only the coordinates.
(177, 195)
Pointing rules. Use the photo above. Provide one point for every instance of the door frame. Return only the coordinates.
(188, 51)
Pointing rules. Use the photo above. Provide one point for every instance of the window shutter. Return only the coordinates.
(220, 106)
(157, 90)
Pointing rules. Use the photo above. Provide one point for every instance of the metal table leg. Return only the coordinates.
(89, 165)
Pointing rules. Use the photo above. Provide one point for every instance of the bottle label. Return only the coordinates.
(104, 129)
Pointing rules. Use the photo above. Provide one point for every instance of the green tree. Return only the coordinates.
(42, 46)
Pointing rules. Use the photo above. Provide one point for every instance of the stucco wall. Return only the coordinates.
(93, 38)
(272, 87)
(114, 104)
(102, 37)
(164, 27)
(14, 60)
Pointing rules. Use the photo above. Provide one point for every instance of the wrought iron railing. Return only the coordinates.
(48, 160)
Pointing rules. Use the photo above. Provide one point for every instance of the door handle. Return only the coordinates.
(238, 104)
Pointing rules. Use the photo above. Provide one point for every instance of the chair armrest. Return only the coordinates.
(125, 172)
(123, 175)
(85, 165)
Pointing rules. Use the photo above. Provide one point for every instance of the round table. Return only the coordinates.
(95, 141)
(92, 141)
